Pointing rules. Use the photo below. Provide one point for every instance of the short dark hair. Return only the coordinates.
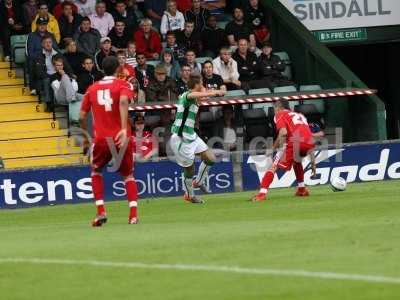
(282, 104)
(140, 53)
(171, 33)
(193, 80)
(85, 19)
(58, 58)
(110, 65)
(121, 52)
(208, 62)
(47, 36)
(65, 3)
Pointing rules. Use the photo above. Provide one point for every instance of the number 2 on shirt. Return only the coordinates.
(104, 98)
(298, 119)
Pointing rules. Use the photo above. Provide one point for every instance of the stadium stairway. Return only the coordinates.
(29, 137)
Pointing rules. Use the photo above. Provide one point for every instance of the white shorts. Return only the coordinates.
(185, 152)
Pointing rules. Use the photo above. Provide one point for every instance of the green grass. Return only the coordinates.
(355, 232)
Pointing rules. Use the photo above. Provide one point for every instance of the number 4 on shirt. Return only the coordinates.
(104, 98)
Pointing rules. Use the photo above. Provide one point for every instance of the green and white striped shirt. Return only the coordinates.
(185, 118)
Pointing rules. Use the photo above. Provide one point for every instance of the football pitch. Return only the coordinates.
(328, 246)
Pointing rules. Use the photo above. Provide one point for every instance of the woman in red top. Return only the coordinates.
(147, 40)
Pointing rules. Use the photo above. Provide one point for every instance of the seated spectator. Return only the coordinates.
(171, 46)
(87, 38)
(131, 54)
(125, 71)
(86, 7)
(155, 10)
(119, 36)
(182, 81)
(144, 145)
(34, 49)
(212, 81)
(144, 72)
(29, 12)
(52, 23)
(102, 20)
(88, 76)
(44, 68)
(170, 64)
(256, 17)
(11, 24)
(271, 68)
(237, 29)
(147, 40)
(226, 67)
(198, 15)
(133, 5)
(190, 60)
(246, 62)
(64, 85)
(105, 50)
(163, 88)
(213, 38)
(172, 19)
(127, 15)
(188, 39)
(74, 57)
(69, 22)
(59, 8)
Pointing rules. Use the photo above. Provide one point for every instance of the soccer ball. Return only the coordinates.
(338, 184)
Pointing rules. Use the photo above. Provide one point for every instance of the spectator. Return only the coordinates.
(86, 7)
(131, 54)
(182, 82)
(170, 64)
(144, 72)
(154, 10)
(271, 67)
(213, 38)
(119, 36)
(144, 145)
(87, 38)
(190, 60)
(29, 12)
(171, 45)
(212, 81)
(172, 19)
(227, 68)
(133, 5)
(34, 48)
(127, 15)
(256, 17)
(52, 24)
(125, 71)
(198, 15)
(147, 40)
(163, 88)
(101, 19)
(59, 8)
(105, 50)
(74, 57)
(88, 76)
(246, 62)
(188, 39)
(69, 23)
(237, 29)
(11, 24)
(44, 68)
(64, 85)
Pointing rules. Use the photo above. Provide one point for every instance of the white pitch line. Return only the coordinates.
(208, 268)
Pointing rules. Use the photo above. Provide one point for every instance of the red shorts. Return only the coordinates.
(284, 158)
(101, 156)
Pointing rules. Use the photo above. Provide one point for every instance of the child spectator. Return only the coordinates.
(171, 46)
(144, 145)
(125, 71)
(131, 54)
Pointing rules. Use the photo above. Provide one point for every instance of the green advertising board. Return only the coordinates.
(341, 35)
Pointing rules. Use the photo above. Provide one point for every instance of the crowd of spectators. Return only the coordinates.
(67, 41)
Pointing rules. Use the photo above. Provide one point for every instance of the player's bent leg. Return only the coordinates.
(188, 186)
(132, 194)
(265, 184)
(98, 192)
(208, 160)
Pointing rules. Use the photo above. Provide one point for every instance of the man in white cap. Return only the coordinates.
(105, 50)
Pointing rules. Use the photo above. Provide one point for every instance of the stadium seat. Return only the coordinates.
(319, 104)
(235, 93)
(287, 89)
(73, 111)
(18, 44)
(285, 58)
(262, 91)
(201, 60)
(222, 24)
(153, 62)
(257, 124)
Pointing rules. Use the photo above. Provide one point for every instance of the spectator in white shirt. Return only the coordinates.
(172, 20)
(102, 20)
(85, 7)
(226, 67)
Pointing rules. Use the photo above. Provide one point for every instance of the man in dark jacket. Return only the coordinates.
(69, 23)
(87, 38)
(198, 15)
(162, 88)
(89, 76)
(188, 38)
(213, 38)
(127, 15)
(10, 22)
(144, 72)
(119, 36)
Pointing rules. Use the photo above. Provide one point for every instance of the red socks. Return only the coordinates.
(132, 194)
(299, 171)
(98, 192)
(266, 182)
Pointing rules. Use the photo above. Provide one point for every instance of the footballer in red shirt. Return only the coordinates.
(108, 100)
(294, 142)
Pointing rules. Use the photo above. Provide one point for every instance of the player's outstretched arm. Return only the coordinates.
(205, 94)
(122, 137)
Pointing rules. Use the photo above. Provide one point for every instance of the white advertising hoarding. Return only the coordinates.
(337, 14)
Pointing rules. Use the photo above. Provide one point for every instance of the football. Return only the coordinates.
(338, 184)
